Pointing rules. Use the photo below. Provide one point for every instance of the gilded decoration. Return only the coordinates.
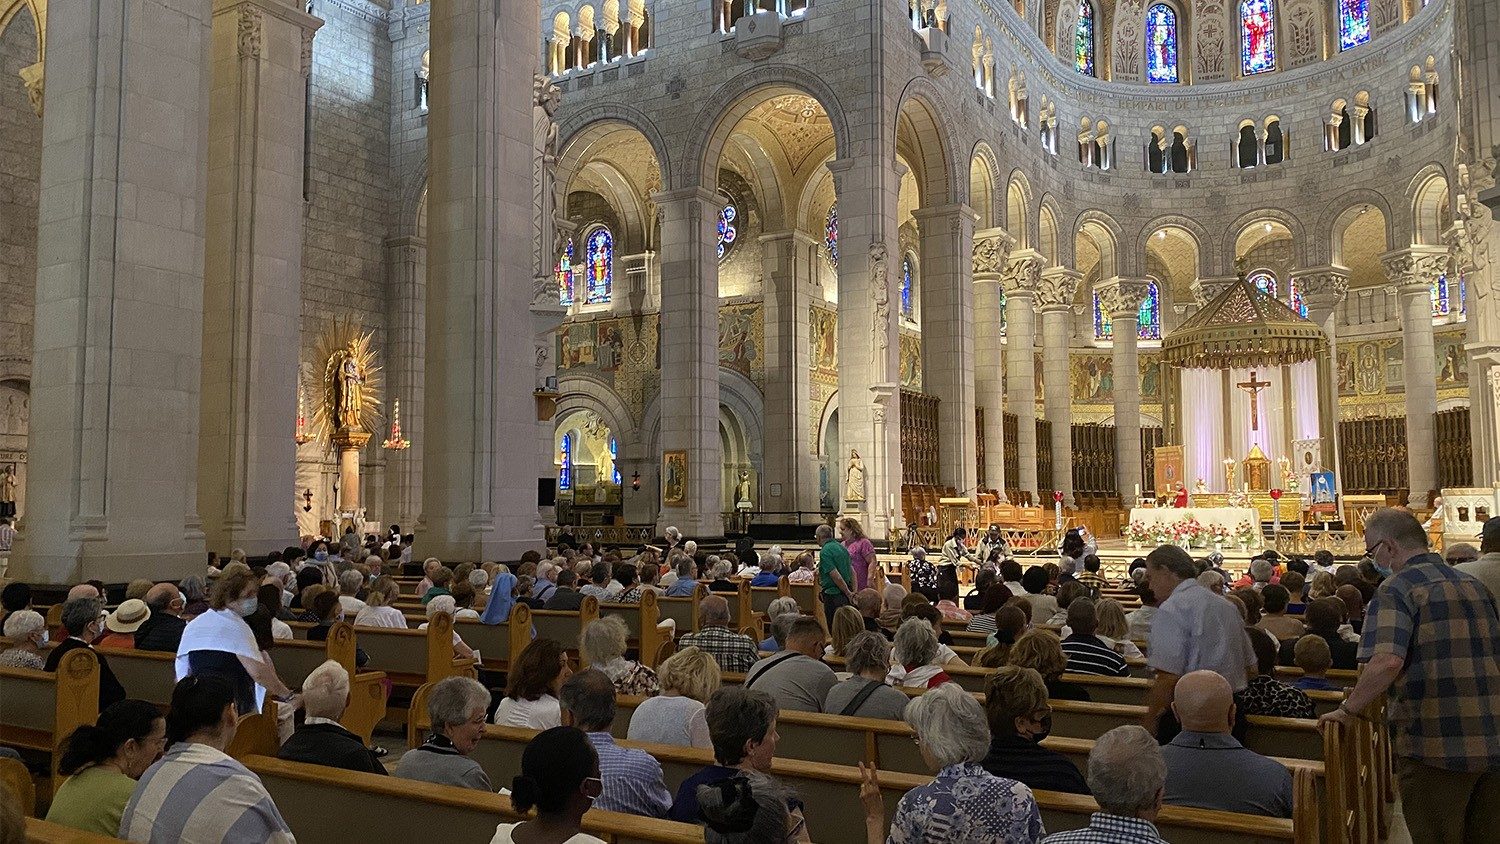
(911, 361)
(1241, 328)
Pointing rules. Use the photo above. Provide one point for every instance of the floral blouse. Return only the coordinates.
(1268, 696)
(923, 575)
(631, 678)
(965, 804)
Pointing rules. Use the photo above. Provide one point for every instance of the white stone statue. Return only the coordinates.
(854, 478)
(742, 491)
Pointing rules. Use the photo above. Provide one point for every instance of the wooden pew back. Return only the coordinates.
(42, 708)
(566, 626)
(641, 619)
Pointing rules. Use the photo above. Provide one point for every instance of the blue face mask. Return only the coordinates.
(321, 556)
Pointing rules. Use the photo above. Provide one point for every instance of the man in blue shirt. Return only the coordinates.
(1207, 768)
(767, 575)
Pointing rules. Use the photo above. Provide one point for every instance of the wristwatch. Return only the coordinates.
(1344, 708)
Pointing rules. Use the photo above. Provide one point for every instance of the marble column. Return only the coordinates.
(252, 296)
(113, 450)
(789, 478)
(869, 394)
(948, 362)
(990, 254)
(1022, 274)
(405, 370)
(689, 400)
(481, 457)
(1122, 298)
(1411, 271)
(1054, 300)
(1323, 289)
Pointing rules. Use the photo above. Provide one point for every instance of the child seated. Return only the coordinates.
(1313, 657)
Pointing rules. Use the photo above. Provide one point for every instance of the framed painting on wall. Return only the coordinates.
(674, 478)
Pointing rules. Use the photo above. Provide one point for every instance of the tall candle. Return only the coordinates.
(1137, 490)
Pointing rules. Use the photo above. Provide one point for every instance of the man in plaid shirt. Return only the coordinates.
(732, 651)
(1435, 630)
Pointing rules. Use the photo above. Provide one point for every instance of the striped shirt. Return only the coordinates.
(1089, 655)
(197, 795)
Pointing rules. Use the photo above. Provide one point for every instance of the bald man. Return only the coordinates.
(163, 630)
(733, 651)
(1207, 768)
(83, 590)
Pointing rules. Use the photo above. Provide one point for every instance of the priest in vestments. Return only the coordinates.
(1181, 500)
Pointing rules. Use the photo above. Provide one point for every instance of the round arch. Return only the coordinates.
(1107, 236)
(1194, 232)
(585, 392)
(1430, 203)
(1228, 249)
(1018, 200)
(38, 11)
(933, 152)
(983, 192)
(577, 134)
(1341, 211)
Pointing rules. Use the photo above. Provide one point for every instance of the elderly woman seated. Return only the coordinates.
(446, 604)
(916, 664)
(603, 644)
(322, 740)
(865, 694)
(28, 630)
(456, 709)
(784, 606)
(677, 715)
(964, 800)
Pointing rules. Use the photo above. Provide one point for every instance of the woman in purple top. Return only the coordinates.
(861, 555)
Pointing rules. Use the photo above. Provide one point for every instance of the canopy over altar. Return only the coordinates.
(1245, 378)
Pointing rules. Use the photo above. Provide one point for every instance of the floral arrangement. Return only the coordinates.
(1245, 532)
(1139, 532)
(1239, 499)
(1218, 534)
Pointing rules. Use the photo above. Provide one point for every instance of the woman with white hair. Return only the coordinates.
(28, 630)
(603, 644)
(915, 660)
(456, 709)
(445, 603)
(783, 606)
(964, 802)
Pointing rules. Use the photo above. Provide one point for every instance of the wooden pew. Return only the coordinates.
(1127, 690)
(808, 600)
(375, 809)
(42, 832)
(295, 660)
(566, 626)
(641, 619)
(498, 644)
(413, 657)
(42, 708)
(831, 794)
(684, 611)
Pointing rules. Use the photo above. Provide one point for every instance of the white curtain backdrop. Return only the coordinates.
(1271, 417)
(1203, 427)
(1304, 401)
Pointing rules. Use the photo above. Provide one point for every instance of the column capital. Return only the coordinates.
(251, 10)
(1121, 298)
(799, 237)
(1057, 287)
(991, 252)
(938, 213)
(33, 78)
(1412, 269)
(1205, 290)
(1022, 272)
(1324, 286)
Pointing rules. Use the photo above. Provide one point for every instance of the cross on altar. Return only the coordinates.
(1253, 387)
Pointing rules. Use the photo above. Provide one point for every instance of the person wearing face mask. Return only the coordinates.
(28, 630)
(1015, 703)
(559, 777)
(221, 642)
(83, 619)
(102, 763)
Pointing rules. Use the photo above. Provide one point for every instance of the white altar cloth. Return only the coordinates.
(1229, 517)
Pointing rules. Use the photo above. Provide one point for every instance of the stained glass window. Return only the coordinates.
(831, 236)
(727, 231)
(1148, 320)
(1083, 40)
(908, 309)
(1257, 36)
(600, 251)
(1161, 44)
(1354, 23)
(1002, 312)
(1463, 295)
(1264, 282)
(564, 270)
(1103, 327)
(614, 459)
(565, 459)
(1295, 298)
(1440, 295)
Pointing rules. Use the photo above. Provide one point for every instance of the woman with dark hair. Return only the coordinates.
(1076, 545)
(560, 779)
(1010, 622)
(226, 795)
(995, 596)
(221, 642)
(974, 601)
(1034, 581)
(531, 695)
(102, 762)
(748, 808)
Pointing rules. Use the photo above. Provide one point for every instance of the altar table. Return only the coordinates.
(1229, 517)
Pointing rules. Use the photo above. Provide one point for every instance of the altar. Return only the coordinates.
(1230, 518)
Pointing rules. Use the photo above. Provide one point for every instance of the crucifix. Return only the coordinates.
(1253, 387)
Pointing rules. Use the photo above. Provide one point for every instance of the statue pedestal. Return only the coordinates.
(349, 443)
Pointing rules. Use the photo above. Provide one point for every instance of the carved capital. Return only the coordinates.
(991, 251)
(1205, 290)
(1056, 287)
(1415, 267)
(1023, 272)
(1323, 286)
(1121, 298)
(251, 28)
(31, 75)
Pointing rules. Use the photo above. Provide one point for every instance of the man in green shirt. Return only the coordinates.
(834, 574)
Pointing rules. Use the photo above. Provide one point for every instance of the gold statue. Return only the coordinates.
(348, 388)
(350, 402)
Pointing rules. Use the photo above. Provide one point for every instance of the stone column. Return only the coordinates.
(112, 488)
(867, 339)
(1055, 301)
(481, 459)
(1022, 273)
(1207, 289)
(948, 362)
(786, 266)
(405, 370)
(1412, 270)
(689, 355)
(1122, 298)
(252, 295)
(1323, 289)
(990, 254)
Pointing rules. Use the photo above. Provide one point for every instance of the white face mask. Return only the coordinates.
(247, 606)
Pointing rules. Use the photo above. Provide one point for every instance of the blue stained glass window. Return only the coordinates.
(614, 455)
(600, 255)
(1264, 282)
(908, 310)
(1257, 36)
(727, 232)
(1161, 44)
(1440, 295)
(1148, 319)
(1002, 312)
(1296, 300)
(1463, 295)
(1354, 23)
(564, 272)
(1083, 40)
(831, 236)
(565, 457)
(1103, 325)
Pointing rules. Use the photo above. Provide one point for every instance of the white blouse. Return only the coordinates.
(544, 713)
(381, 617)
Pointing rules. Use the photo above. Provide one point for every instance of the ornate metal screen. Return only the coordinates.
(1372, 455)
(919, 438)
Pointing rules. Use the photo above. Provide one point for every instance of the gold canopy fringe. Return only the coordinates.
(1243, 327)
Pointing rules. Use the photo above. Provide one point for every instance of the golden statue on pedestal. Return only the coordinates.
(349, 410)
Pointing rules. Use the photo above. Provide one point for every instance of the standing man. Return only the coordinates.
(1192, 630)
(1437, 631)
(835, 574)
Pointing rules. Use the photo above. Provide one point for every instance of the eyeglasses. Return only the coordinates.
(1370, 549)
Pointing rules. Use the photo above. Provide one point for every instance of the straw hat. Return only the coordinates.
(128, 617)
